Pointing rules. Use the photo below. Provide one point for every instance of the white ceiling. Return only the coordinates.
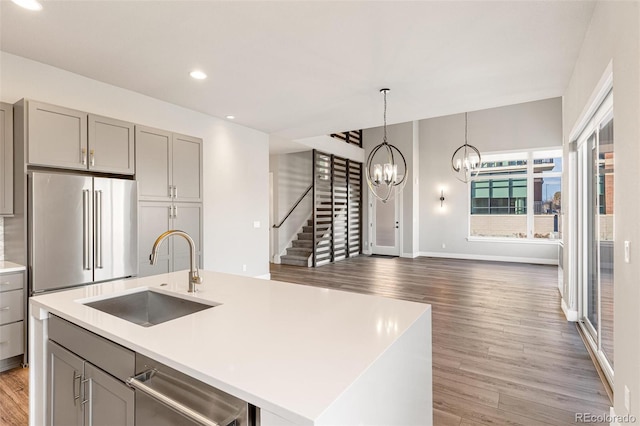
(299, 69)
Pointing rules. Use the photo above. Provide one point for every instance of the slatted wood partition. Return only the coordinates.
(322, 208)
(354, 223)
(340, 201)
(353, 137)
(337, 211)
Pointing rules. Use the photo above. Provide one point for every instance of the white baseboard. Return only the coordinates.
(367, 252)
(534, 260)
(276, 259)
(264, 276)
(568, 313)
(410, 255)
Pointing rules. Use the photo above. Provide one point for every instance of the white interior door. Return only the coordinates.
(385, 227)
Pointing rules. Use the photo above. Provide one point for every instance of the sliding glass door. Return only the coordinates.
(596, 234)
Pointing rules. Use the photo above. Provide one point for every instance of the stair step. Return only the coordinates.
(300, 251)
(310, 222)
(307, 229)
(305, 236)
(294, 260)
(303, 243)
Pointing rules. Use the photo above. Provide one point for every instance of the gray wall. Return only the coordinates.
(292, 175)
(401, 136)
(428, 145)
(614, 37)
(523, 126)
(236, 158)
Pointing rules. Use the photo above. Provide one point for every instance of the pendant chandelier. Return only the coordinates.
(382, 166)
(466, 160)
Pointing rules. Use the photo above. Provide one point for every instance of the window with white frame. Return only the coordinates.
(517, 195)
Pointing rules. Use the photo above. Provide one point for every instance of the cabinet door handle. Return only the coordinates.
(92, 158)
(175, 191)
(170, 191)
(76, 397)
(175, 211)
(83, 156)
(6, 308)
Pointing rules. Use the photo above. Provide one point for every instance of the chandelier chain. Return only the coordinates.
(385, 115)
(465, 129)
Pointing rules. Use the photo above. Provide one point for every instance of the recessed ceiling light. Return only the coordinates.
(230, 117)
(198, 75)
(28, 4)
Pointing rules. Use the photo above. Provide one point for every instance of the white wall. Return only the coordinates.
(614, 37)
(522, 126)
(292, 175)
(236, 158)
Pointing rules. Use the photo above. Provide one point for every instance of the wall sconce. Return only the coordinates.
(441, 197)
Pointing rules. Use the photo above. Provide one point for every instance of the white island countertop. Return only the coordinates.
(292, 350)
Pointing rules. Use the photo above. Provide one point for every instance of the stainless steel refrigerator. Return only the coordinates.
(82, 229)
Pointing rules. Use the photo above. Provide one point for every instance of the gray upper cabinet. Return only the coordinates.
(168, 166)
(6, 159)
(111, 145)
(187, 168)
(153, 164)
(57, 136)
(68, 139)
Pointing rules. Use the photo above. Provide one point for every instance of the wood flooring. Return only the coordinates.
(14, 397)
(503, 352)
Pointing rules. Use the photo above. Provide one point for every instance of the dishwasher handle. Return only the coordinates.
(137, 383)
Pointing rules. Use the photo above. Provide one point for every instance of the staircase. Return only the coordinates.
(302, 248)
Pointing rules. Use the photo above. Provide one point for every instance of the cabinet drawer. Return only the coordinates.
(11, 340)
(11, 306)
(111, 357)
(11, 281)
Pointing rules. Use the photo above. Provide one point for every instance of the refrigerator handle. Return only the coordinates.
(87, 231)
(98, 223)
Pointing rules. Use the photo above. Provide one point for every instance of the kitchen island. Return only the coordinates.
(302, 355)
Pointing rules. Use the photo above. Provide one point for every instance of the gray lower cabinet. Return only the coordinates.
(6, 159)
(78, 391)
(12, 331)
(155, 218)
(65, 387)
(82, 394)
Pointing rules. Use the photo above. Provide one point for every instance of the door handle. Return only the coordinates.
(87, 229)
(83, 156)
(98, 226)
(92, 158)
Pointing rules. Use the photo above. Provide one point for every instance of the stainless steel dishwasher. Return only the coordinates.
(164, 396)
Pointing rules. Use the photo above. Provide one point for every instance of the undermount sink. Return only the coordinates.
(148, 308)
